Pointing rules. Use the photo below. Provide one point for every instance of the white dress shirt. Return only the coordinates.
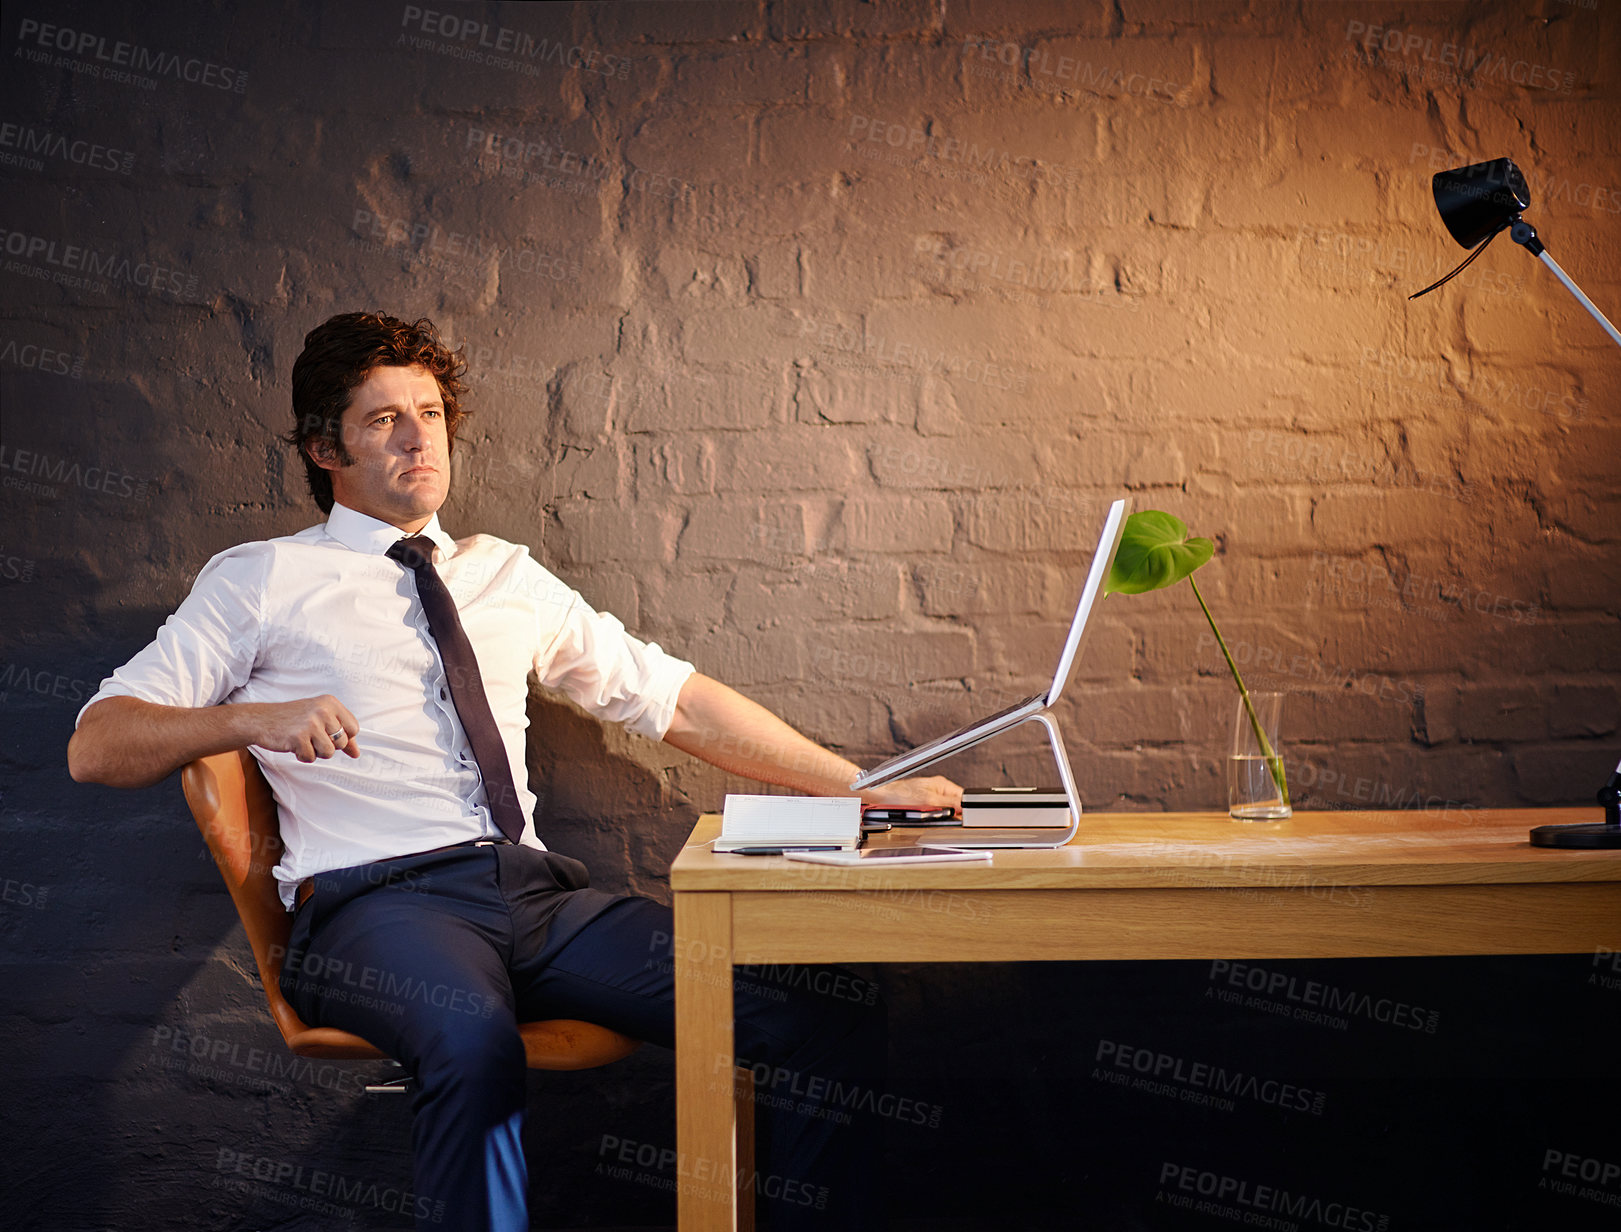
(324, 611)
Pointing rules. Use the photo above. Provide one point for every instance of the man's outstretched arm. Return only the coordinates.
(125, 742)
(726, 729)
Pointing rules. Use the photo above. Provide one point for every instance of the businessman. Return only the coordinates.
(378, 669)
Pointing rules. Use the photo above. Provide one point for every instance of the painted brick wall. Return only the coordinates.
(811, 339)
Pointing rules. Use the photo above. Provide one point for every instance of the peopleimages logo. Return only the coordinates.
(1545, 188)
(426, 241)
(77, 265)
(1046, 272)
(1356, 578)
(911, 139)
(39, 465)
(1311, 996)
(531, 159)
(1604, 956)
(1581, 1176)
(824, 1098)
(91, 155)
(1394, 48)
(1253, 1203)
(1314, 670)
(1046, 69)
(93, 51)
(209, 1057)
(40, 682)
(620, 1157)
(36, 358)
(500, 46)
(1199, 1081)
(318, 1183)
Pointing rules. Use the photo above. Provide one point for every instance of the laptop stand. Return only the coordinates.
(1056, 742)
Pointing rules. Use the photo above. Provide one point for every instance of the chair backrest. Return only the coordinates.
(236, 812)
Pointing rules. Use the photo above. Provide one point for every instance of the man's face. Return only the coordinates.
(394, 429)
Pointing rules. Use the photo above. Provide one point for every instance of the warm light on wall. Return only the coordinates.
(1478, 203)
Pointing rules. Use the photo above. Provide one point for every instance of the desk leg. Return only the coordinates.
(706, 1114)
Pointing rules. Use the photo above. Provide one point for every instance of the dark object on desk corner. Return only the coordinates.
(1604, 834)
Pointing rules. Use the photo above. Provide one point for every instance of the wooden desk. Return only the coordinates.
(1132, 885)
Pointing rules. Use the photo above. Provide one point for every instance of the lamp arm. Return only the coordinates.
(1580, 298)
(1525, 235)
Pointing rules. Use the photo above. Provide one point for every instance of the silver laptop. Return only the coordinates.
(1032, 709)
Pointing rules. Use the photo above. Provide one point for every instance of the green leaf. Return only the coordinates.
(1155, 552)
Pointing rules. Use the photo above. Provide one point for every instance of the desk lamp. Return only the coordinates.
(1478, 203)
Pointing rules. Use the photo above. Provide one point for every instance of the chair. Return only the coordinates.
(236, 811)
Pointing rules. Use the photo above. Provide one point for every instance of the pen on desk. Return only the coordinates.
(776, 851)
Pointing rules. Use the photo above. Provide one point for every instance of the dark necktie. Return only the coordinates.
(466, 685)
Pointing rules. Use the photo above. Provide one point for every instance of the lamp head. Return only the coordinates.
(1478, 201)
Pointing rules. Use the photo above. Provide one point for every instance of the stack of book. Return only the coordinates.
(1015, 806)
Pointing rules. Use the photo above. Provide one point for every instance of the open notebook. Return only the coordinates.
(790, 821)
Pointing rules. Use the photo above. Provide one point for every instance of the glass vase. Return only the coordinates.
(1254, 792)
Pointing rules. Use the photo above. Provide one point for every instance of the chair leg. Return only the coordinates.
(399, 1085)
(743, 1087)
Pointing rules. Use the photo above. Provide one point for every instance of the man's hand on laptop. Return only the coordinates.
(310, 728)
(931, 792)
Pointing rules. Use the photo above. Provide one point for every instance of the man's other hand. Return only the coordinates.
(310, 728)
(932, 792)
(126, 742)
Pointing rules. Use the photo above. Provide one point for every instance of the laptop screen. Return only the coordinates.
(1114, 526)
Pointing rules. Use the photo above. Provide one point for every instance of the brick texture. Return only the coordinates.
(812, 338)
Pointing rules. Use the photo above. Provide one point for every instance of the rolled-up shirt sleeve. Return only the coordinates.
(207, 649)
(611, 673)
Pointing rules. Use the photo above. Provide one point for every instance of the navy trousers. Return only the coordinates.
(436, 958)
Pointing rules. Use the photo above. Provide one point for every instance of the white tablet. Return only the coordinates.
(891, 856)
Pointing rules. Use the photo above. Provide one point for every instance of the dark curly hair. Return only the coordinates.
(339, 354)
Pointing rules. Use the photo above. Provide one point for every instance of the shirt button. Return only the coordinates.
(443, 695)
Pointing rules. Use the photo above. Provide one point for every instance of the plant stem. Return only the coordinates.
(1274, 763)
